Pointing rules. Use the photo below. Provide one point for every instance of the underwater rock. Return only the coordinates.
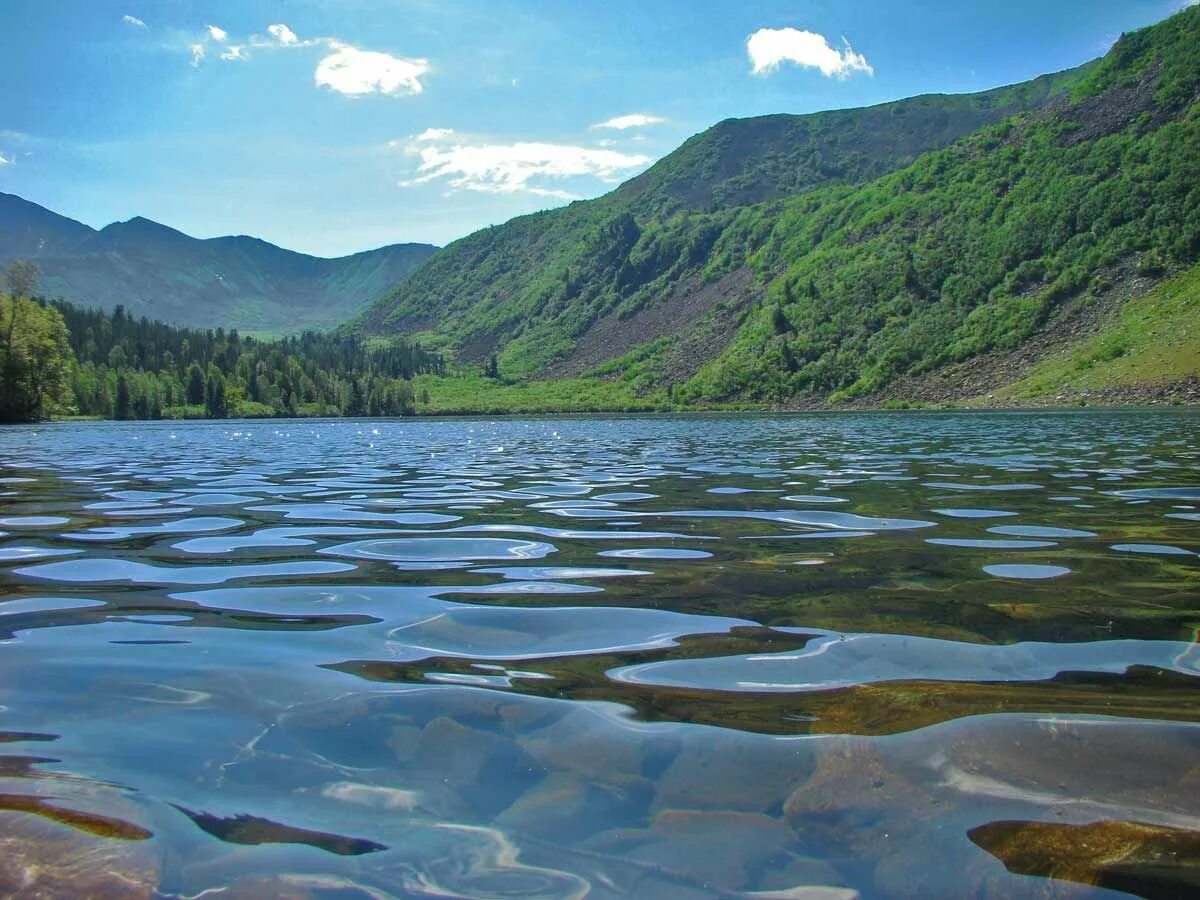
(586, 744)
(713, 775)
(807, 877)
(483, 768)
(849, 775)
(566, 808)
(725, 849)
(1146, 860)
(44, 859)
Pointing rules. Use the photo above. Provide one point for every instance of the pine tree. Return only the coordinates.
(214, 395)
(195, 385)
(123, 407)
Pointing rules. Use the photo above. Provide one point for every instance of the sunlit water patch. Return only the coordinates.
(829, 662)
(453, 549)
(1026, 571)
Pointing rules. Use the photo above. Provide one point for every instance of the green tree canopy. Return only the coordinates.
(35, 357)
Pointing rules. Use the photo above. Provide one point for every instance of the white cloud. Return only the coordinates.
(5, 160)
(354, 72)
(521, 167)
(283, 34)
(134, 21)
(633, 120)
(769, 47)
(343, 68)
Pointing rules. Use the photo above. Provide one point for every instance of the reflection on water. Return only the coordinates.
(826, 656)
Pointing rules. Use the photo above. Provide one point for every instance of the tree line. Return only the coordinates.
(60, 359)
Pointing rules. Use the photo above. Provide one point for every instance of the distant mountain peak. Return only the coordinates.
(142, 225)
(29, 230)
(239, 281)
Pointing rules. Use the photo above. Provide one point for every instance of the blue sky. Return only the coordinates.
(332, 126)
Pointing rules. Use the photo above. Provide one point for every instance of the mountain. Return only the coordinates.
(231, 282)
(794, 259)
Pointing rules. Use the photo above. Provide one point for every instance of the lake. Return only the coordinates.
(820, 656)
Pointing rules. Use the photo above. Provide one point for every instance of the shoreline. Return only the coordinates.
(1152, 406)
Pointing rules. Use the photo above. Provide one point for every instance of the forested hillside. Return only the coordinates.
(232, 282)
(126, 368)
(532, 287)
(826, 256)
(60, 359)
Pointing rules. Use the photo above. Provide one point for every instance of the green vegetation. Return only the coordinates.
(1153, 339)
(975, 247)
(58, 359)
(126, 368)
(34, 354)
(477, 395)
(874, 243)
(530, 288)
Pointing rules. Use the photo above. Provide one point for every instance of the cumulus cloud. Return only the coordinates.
(283, 34)
(134, 21)
(435, 134)
(522, 167)
(354, 72)
(768, 48)
(633, 120)
(343, 68)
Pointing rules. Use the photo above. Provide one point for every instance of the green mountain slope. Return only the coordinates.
(532, 287)
(978, 246)
(231, 282)
(1152, 342)
(858, 261)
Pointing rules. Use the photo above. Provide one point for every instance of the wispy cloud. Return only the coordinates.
(768, 48)
(530, 167)
(134, 21)
(344, 68)
(283, 34)
(5, 160)
(354, 72)
(633, 120)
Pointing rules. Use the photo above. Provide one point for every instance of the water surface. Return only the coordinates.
(831, 656)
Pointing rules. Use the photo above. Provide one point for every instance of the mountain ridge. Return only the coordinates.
(507, 295)
(230, 281)
(838, 279)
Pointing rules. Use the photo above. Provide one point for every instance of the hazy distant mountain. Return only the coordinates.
(233, 282)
